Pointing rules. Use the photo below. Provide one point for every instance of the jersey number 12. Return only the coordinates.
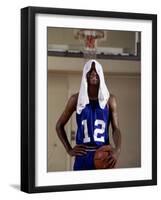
(98, 132)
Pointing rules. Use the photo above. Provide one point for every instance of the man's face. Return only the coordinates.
(92, 76)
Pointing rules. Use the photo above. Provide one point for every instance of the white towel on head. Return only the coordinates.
(103, 93)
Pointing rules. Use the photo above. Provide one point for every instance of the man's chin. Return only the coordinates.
(94, 83)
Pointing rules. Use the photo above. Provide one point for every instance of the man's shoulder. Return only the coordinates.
(72, 102)
(112, 99)
(73, 99)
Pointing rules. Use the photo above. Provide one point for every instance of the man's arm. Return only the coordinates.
(114, 123)
(115, 152)
(65, 116)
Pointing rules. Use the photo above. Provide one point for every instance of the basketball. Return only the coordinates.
(100, 158)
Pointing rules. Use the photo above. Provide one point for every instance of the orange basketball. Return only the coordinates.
(100, 158)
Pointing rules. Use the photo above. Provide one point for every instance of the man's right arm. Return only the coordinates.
(65, 116)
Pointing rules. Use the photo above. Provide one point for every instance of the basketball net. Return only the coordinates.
(89, 38)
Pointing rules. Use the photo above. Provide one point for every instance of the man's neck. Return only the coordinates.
(93, 92)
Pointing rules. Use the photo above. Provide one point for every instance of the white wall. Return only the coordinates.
(10, 99)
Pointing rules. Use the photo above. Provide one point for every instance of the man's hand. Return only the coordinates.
(113, 157)
(114, 153)
(78, 150)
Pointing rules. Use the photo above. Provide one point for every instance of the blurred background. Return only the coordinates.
(119, 54)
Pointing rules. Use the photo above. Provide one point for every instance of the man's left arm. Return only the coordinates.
(115, 152)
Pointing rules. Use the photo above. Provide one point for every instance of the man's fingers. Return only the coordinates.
(111, 161)
(81, 146)
(112, 164)
(79, 154)
(108, 158)
(80, 151)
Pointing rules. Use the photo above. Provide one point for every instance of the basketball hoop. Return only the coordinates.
(89, 37)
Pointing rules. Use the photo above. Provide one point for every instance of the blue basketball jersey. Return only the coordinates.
(92, 130)
(92, 125)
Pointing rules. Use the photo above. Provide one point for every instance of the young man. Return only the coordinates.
(95, 110)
